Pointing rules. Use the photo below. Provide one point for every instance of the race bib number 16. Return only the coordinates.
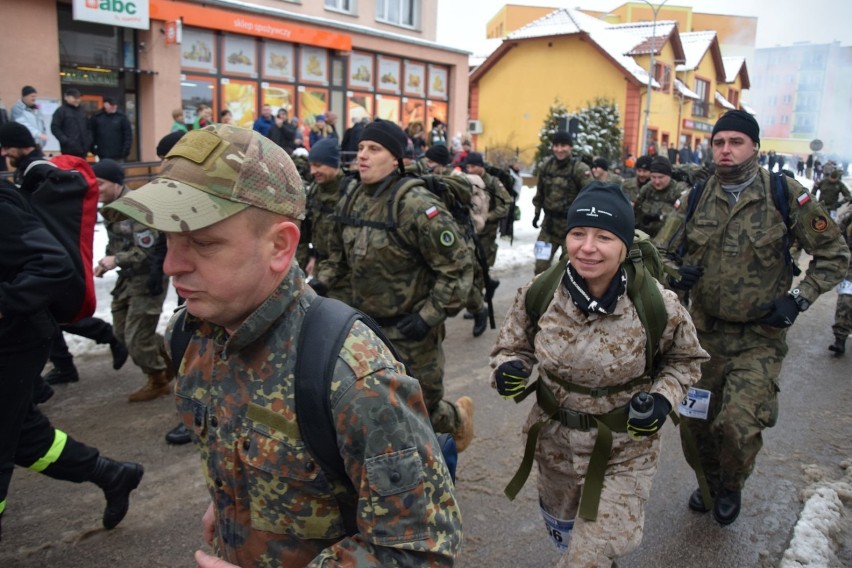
(543, 250)
(696, 404)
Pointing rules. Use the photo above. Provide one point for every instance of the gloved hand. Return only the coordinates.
(413, 327)
(536, 218)
(650, 217)
(511, 378)
(155, 282)
(320, 287)
(638, 428)
(782, 312)
(689, 275)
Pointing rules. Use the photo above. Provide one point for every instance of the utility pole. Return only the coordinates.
(655, 10)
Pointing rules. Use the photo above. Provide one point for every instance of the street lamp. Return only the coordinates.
(643, 147)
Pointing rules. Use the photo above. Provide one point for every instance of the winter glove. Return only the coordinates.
(640, 427)
(782, 312)
(320, 287)
(155, 282)
(413, 327)
(536, 218)
(689, 275)
(511, 378)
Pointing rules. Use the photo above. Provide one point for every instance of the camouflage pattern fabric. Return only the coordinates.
(135, 312)
(425, 266)
(597, 351)
(273, 505)
(557, 187)
(631, 188)
(741, 250)
(843, 313)
(497, 209)
(830, 192)
(658, 204)
(321, 201)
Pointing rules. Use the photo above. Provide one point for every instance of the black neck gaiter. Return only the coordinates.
(579, 291)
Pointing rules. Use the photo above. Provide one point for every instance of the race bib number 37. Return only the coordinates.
(696, 404)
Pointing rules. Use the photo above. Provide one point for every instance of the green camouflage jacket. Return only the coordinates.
(742, 250)
(498, 206)
(558, 185)
(319, 224)
(273, 504)
(830, 192)
(423, 266)
(652, 206)
(132, 244)
(631, 188)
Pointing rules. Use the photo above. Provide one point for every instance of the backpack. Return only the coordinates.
(324, 329)
(480, 202)
(63, 192)
(643, 267)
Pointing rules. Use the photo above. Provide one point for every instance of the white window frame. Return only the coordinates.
(383, 9)
(342, 6)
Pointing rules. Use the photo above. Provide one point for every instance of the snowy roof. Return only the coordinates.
(686, 91)
(483, 51)
(748, 109)
(695, 45)
(724, 102)
(733, 67)
(620, 42)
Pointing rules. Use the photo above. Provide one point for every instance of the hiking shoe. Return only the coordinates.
(119, 354)
(179, 435)
(464, 433)
(58, 376)
(696, 502)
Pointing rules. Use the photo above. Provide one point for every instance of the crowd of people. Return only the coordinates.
(674, 285)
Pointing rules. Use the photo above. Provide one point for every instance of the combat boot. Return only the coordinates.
(726, 506)
(480, 322)
(63, 371)
(839, 347)
(696, 502)
(157, 386)
(464, 433)
(119, 353)
(117, 479)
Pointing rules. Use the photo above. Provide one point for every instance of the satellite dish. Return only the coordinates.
(816, 145)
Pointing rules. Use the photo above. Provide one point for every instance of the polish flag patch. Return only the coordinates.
(431, 212)
(804, 198)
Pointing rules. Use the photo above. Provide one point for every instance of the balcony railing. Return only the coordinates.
(700, 108)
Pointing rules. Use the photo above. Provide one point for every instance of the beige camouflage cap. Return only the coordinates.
(214, 173)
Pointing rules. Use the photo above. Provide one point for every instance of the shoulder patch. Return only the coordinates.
(803, 198)
(819, 223)
(447, 238)
(145, 239)
(431, 212)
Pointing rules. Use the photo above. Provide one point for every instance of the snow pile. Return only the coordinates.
(822, 519)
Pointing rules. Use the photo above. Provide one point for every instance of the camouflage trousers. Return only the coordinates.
(742, 377)
(843, 316)
(563, 458)
(476, 297)
(553, 232)
(425, 362)
(134, 319)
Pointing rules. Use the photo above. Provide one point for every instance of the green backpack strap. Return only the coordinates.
(646, 296)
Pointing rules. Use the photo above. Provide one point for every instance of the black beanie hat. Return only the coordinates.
(16, 135)
(474, 159)
(168, 142)
(661, 165)
(27, 90)
(562, 137)
(603, 206)
(600, 163)
(643, 162)
(388, 134)
(739, 121)
(109, 170)
(439, 154)
(325, 152)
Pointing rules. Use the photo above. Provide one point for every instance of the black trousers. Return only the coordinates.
(26, 437)
(95, 329)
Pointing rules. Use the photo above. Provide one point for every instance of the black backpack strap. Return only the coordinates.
(780, 196)
(181, 336)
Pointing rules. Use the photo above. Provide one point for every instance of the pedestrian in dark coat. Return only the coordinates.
(112, 135)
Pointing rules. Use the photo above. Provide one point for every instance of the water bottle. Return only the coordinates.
(641, 406)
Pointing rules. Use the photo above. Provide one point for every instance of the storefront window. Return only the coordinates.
(86, 43)
(240, 97)
(195, 91)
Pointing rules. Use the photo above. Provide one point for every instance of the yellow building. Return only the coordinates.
(511, 17)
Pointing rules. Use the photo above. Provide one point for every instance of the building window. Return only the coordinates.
(734, 97)
(701, 107)
(784, 119)
(347, 6)
(663, 75)
(398, 12)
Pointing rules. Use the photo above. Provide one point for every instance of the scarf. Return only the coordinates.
(739, 173)
(576, 287)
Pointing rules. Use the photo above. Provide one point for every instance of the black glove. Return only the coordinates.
(782, 312)
(650, 217)
(689, 275)
(320, 287)
(155, 282)
(413, 327)
(641, 427)
(535, 219)
(511, 378)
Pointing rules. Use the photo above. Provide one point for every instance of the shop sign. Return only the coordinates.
(699, 126)
(121, 13)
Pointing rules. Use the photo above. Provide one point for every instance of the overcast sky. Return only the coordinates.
(461, 23)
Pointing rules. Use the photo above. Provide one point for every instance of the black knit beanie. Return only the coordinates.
(600, 163)
(27, 90)
(439, 154)
(325, 152)
(16, 135)
(474, 159)
(661, 165)
(643, 162)
(388, 134)
(603, 206)
(167, 142)
(739, 121)
(562, 137)
(109, 170)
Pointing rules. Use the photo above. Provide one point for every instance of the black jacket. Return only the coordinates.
(112, 135)
(70, 128)
(34, 270)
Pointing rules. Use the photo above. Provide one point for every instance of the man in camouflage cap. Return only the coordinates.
(734, 262)
(397, 255)
(230, 202)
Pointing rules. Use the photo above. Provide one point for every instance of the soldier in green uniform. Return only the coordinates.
(656, 200)
(560, 179)
(734, 263)
(830, 189)
(397, 254)
(230, 202)
(843, 312)
(322, 197)
(632, 185)
(601, 173)
(137, 299)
